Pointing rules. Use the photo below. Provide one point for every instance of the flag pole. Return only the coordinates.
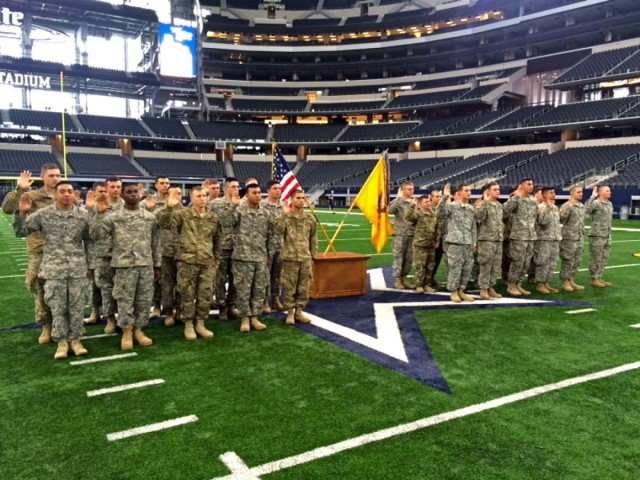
(335, 234)
(326, 235)
(64, 131)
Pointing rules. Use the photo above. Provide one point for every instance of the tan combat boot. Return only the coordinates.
(45, 336)
(596, 282)
(170, 319)
(202, 330)
(257, 324)
(156, 312)
(398, 284)
(542, 288)
(62, 351)
(522, 290)
(484, 294)
(575, 286)
(141, 338)
(77, 348)
(277, 305)
(233, 312)
(245, 327)
(95, 315)
(111, 326)
(494, 294)
(455, 297)
(551, 289)
(606, 284)
(428, 289)
(290, 320)
(464, 297)
(189, 331)
(126, 343)
(419, 289)
(406, 283)
(301, 317)
(513, 290)
(266, 308)
(566, 286)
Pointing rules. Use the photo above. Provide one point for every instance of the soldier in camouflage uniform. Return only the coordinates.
(226, 299)
(436, 196)
(65, 263)
(426, 239)
(98, 188)
(531, 272)
(273, 206)
(403, 236)
(490, 220)
(522, 209)
(600, 209)
(547, 245)
(572, 214)
(136, 255)
(300, 244)
(506, 261)
(461, 240)
(198, 247)
(42, 197)
(253, 246)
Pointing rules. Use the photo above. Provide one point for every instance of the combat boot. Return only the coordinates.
(189, 332)
(202, 330)
(513, 290)
(266, 308)
(301, 317)
(575, 286)
(222, 314)
(257, 324)
(126, 343)
(522, 290)
(156, 312)
(551, 289)
(606, 284)
(406, 283)
(141, 338)
(45, 336)
(429, 289)
(455, 297)
(95, 315)
(77, 348)
(277, 305)
(542, 288)
(494, 294)
(62, 351)
(245, 327)
(566, 286)
(233, 313)
(291, 320)
(111, 326)
(419, 289)
(170, 319)
(464, 297)
(596, 282)
(398, 284)
(484, 294)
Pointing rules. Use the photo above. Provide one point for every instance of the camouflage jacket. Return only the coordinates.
(300, 236)
(222, 207)
(548, 225)
(522, 212)
(65, 235)
(274, 211)
(490, 217)
(198, 237)
(399, 207)
(572, 220)
(40, 199)
(252, 236)
(101, 248)
(602, 214)
(134, 237)
(461, 222)
(426, 226)
(169, 237)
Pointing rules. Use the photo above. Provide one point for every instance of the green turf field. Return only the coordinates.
(275, 398)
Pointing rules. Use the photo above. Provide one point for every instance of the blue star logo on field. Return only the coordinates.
(381, 325)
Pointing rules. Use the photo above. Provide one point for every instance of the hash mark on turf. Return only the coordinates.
(154, 427)
(104, 359)
(637, 325)
(123, 388)
(584, 310)
(102, 335)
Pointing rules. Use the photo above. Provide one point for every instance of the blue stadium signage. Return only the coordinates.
(25, 80)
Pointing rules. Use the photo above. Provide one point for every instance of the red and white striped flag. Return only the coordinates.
(282, 174)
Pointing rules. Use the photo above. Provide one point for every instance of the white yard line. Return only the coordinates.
(154, 427)
(123, 388)
(235, 463)
(102, 335)
(12, 276)
(637, 325)
(584, 310)
(104, 359)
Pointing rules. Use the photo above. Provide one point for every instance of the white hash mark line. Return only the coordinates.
(237, 466)
(101, 335)
(154, 427)
(104, 359)
(123, 388)
(637, 325)
(584, 310)
(329, 450)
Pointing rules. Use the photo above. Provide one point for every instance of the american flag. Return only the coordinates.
(282, 173)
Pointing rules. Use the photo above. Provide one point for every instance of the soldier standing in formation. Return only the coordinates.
(98, 188)
(300, 244)
(65, 267)
(426, 240)
(600, 209)
(403, 236)
(435, 196)
(572, 214)
(490, 218)
(547, 246)
(273, 206)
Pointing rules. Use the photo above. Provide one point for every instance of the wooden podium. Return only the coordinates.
(339, 274)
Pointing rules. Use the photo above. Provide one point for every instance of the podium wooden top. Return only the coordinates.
(340, 256)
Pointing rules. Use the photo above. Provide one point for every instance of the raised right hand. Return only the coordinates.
(175, 197)
(25, 204)
(101, 203)
(24, 180)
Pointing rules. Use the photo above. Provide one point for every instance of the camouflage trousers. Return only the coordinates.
(459, 266)
(133, 292)
(36, 286)
(65, 297)
(250, 282)
(545, 257)
(489, 263)
(424, 262)
(571, 255)
(96, 294)
(273, 276)
(506, 261)
(224, 277)
(103, 277)
(402, 255)
(296, 279)
(438, 258)
(598, 255)
(168, 282)
(520, 254)
(195, 286)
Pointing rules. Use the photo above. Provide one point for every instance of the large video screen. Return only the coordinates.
(178, 51)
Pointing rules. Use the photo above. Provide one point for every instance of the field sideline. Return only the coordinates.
(536, 391)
